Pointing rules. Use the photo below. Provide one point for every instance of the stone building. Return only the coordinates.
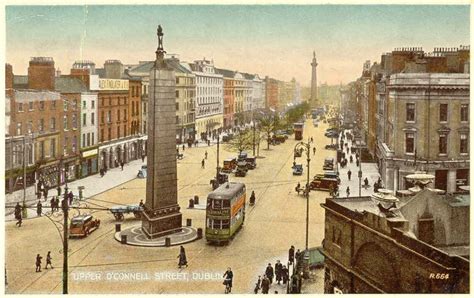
(420, 246)
(271, 93)
(89, 144)
(209, 98)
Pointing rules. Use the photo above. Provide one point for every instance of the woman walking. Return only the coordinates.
(182, 258)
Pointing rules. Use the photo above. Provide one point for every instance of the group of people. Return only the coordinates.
(48, 261)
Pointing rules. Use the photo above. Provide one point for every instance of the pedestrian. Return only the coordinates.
(265, 284)
(18, 217)
(45, 194)
(278, 271)
(56, 204)
(228, 277)
(291, 255)
(38, 263)
(182, 257)
(39, 208)
(314, 150)
(101, 171)
(59, 190)
(202, 163)
(269, 272)
(351, 159)
(311, 139)
(257, 286)
(48, 261)
(122, 164)
(143, 157)
(349, 173)
(252, 198)
(184, 147)
(347, 150)
(70, 197)
(357, 162)
(297, 256)
(205, 155)
(366, 182)
(376, 186)
(51, 204)
(348, 191)
(38, 194)
(285, 273)
(141, 205)
(208, 142)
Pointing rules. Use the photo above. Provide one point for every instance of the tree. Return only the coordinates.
(242, 141)
(266, 127)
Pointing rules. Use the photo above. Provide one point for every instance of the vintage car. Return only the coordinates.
(142, 172)
(251, 162)
(331, 147)
(323, 183)
(298, 169)
(328, 164)
(227, 137)
(241, 169)
(83, 225)
(279, 138)
(329, 174)
(229, 165)
(119, 211)
(242, 156)
(221, 179)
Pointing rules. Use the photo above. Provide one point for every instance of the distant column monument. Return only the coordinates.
(161, 215)
(314, 82)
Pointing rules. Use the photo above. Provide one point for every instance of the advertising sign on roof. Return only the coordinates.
(107, 84)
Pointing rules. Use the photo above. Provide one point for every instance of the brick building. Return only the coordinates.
(420, 246)
(229, 97)
(271, 93)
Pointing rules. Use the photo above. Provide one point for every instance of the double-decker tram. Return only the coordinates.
(225, 212)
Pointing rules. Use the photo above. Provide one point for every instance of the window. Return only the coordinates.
(41, 105)
(30, 106)
(443, 112)
(41, 125)
(83, 140)
(88, 139)
(109, 133)
(177, 80)
(118, 115)
(65, 104)
(118, 132)
(74, 121)
(443, 144)
(74, 144)
(409, 143)
(177, 119)
(109, 116)
(102, 117)
(93, 118)
(84, 119)
(177, 106)
(93, 104)
(125, 130)
(18, 129)
(464, 113)
(92, 140)
(110, 101)
(124, 114)
(52, 148)
(177, 93)
(30, 126)
(52, 124)
(20, 107)
(336, 236)
(101, 134)
(41, 149)
(53, 105)
(65, 122)
(66, 140)
(84, 104)
(463, 146)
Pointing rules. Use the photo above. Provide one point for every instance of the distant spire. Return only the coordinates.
(314, 54)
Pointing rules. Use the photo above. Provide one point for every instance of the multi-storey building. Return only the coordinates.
(209, 98)
(229, 97)
(420, 245)
(89, 144)
(271, 93)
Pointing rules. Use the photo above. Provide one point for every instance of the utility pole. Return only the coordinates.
(217, 166)
(360, 171)
(308, 159)
(65, 242)
(253, 137)
(24, 210)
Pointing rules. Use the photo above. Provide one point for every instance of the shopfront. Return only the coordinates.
(89, 164)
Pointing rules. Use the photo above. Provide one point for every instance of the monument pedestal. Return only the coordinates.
(161, 222)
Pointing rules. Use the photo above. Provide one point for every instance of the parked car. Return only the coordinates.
(83, 225)
(142, 172)
(227, 137)
(241, 169)
(222, 178)
(242, 156)
(251, 162)
(298, 170)
(331, 147)
(329, 174)
(328, 164)
(229, 165)
(323, 183)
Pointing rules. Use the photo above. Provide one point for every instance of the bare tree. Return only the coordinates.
(266, 127)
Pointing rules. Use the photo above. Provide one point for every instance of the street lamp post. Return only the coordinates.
(306, 147)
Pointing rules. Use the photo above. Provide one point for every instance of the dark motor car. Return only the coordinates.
(241, 169)
(328, 164)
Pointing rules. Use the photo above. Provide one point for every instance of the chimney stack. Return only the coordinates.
(41, 73)
(8, 76)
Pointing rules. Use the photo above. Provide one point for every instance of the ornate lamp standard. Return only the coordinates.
(302, 146)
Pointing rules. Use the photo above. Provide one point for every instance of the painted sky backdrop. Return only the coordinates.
(272, 40)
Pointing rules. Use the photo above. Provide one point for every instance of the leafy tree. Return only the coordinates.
(266, 127)
(241, 142)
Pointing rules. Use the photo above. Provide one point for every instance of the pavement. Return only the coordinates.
(369, 170)
(100, 264)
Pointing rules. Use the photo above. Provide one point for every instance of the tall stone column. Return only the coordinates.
(314, 81)
(161, 215)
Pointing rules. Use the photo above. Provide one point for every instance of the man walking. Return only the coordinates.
(38, 263)
(202, 163)
(278, 271)
(291, 255)
(205, 155)
(265, 285)
(314, 150)
(257, 285)
(71, 197)
(269, 273)
(48, 261)
(39, 208)
(143, 157)
(348, 191)
(18, 214)
(285, 274)
(122, 164)
(349, 173)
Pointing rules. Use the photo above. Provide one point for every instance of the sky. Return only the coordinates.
(273, 40)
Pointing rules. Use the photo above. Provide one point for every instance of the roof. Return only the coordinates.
(227, 190)
(366, 204)
(127, 76)
(225, 72)
(20, 82)
(69, 85)
(100, 72)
